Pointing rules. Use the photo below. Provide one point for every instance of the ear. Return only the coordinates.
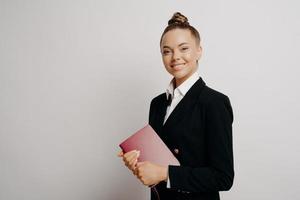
(199, 52)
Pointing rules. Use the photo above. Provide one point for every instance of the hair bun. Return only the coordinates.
(178, 18)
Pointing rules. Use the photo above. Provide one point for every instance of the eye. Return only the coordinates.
(166, 52)
(185, 48)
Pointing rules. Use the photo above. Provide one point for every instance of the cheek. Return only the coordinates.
(190, 57)
(166, 60)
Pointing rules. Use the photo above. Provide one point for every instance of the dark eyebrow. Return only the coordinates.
(178, 45)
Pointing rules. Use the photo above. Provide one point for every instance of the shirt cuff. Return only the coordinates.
(168, 182)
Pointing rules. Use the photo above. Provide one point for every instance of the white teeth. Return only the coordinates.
(178, 64)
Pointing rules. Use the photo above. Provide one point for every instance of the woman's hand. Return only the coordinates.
(130, 159)
(150, 173)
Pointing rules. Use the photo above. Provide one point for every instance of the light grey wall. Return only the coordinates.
(77, 77)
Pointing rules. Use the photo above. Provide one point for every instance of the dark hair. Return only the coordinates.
(180, 21)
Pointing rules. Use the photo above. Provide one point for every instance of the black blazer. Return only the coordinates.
(199, 133)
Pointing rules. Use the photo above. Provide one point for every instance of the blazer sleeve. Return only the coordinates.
(151, 115)
(218, 174)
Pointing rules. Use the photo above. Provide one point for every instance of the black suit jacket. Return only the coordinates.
(199, 133)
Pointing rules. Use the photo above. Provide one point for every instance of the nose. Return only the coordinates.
(176, 55)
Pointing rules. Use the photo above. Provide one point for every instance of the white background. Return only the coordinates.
(77, 77)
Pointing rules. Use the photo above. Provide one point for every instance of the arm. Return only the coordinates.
(151, 113)
(219, 173)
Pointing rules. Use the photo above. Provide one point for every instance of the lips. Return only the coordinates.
(174, 65)
(178, 66)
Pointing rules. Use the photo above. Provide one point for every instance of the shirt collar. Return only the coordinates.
(183, 88)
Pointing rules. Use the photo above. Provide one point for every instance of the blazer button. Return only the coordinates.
(176, 151)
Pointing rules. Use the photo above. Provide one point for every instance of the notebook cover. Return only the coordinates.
(151, 147)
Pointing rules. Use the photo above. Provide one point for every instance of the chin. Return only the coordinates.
(179, 74)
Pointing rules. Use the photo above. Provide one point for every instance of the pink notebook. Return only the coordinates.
(151, 147)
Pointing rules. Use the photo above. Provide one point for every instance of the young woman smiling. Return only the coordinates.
(194, 121)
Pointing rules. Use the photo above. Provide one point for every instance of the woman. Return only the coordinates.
(193, 120)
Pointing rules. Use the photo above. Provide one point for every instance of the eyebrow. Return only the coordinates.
(178, 45)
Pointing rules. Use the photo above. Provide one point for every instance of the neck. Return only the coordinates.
(179, 81)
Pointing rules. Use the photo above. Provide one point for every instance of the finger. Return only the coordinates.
(139, 176)
(129, 161)
(127, 157)
(120, 154)
(130, 157)
(130, 153)
(139, 164)
(132, 165)
(135, 172)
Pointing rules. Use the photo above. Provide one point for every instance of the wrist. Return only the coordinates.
(164, 174)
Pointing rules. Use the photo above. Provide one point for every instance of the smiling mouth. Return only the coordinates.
(174, 65)
(178, 67)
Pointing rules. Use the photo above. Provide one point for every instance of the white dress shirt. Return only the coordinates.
(177, 94)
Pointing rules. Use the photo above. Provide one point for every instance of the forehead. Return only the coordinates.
(176, 37)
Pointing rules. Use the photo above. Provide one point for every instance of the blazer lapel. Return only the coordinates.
(183, 107)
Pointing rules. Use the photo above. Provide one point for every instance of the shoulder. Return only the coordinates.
(158, 99)
(212, 96)
(216, 102)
